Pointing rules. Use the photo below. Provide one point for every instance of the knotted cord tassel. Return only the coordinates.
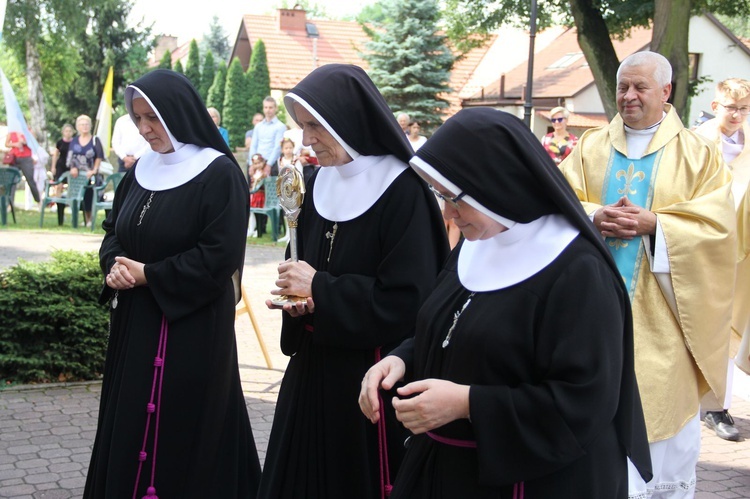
(151, 493)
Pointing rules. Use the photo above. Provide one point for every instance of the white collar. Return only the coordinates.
(735, 138)
(159, 172)
(514, 255)
(342, 193)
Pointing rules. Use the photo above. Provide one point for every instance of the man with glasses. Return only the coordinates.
(729, 131)
(660, 195)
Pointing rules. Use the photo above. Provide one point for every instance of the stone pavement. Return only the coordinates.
(46, 432)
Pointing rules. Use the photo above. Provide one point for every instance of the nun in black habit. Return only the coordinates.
(521, 368)
(172, 419)
(371, 243)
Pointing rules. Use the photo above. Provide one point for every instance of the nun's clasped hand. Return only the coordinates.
(437, 403)
(126, 274)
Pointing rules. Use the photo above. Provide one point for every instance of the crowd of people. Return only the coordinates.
(548, 324)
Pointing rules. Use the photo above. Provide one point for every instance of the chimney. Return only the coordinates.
(292, 19)
(502, 86)
(164, 43)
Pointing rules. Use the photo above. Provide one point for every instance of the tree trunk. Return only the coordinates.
(670, 39)
(596, 44)
(38, 120)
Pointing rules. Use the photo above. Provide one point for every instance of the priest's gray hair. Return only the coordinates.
(662, 68)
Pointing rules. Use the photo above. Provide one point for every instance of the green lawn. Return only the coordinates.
(29, 220)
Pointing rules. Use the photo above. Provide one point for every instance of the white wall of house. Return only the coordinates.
(586, 101)
(720, 59)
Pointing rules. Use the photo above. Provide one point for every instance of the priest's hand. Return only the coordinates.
(645, 218)
(438, 403)
(295, 279)
(618, 219)
(383, 375)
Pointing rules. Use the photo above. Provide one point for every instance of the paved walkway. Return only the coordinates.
(46, 432)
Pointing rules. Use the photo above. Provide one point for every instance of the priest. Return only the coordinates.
(660, 195)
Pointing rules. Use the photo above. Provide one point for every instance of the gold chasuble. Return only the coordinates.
(681, 351)
(740, 166)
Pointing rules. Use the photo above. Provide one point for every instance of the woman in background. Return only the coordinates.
(85, 154)
(559, 143)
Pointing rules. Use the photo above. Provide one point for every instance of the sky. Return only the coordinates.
(187, 19)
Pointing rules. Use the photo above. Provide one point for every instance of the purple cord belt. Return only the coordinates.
(153, 406)
(468, 444)
(471, 444)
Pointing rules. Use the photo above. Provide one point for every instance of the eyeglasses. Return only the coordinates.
(557, 120)
(744, 111)
(453, 202)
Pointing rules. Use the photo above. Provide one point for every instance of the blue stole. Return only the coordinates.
(634, 178)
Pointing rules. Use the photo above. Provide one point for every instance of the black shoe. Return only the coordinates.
(723, 424)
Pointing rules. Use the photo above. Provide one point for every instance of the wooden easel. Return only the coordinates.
(247, 309)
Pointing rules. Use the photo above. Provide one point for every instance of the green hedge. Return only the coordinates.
(52, 327)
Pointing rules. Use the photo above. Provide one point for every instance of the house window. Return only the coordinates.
(693, 60)
(566, 60)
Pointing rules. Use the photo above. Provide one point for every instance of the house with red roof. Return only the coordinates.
(295, 45)
(495, 73)
(562, 76)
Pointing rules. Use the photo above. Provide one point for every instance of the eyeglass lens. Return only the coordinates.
(744, 111)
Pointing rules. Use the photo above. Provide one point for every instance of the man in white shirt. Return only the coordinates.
(267, 135)
(127, 142)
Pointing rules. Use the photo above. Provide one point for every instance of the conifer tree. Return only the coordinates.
(193, 66)
(236, 115)
(166, 60)
(216, 41)
(207, 75)
(178, 67)
(409, 60)
(216, 92)
(258, 78)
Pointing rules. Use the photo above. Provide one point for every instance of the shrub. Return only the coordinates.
(52, 327)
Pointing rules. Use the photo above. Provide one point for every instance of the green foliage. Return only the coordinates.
(53, 326)
(166, 60)
(76, 42)
(409, 60)
(207, 75)
(215, 41)
(281, 113)
(178, 67)
(371, 13)
(258, 78)
(739, 25)
(236, 114)
(216, 92)
(193, 66)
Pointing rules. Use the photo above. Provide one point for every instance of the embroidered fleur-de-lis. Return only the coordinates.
(617, 243)
(630, 176)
